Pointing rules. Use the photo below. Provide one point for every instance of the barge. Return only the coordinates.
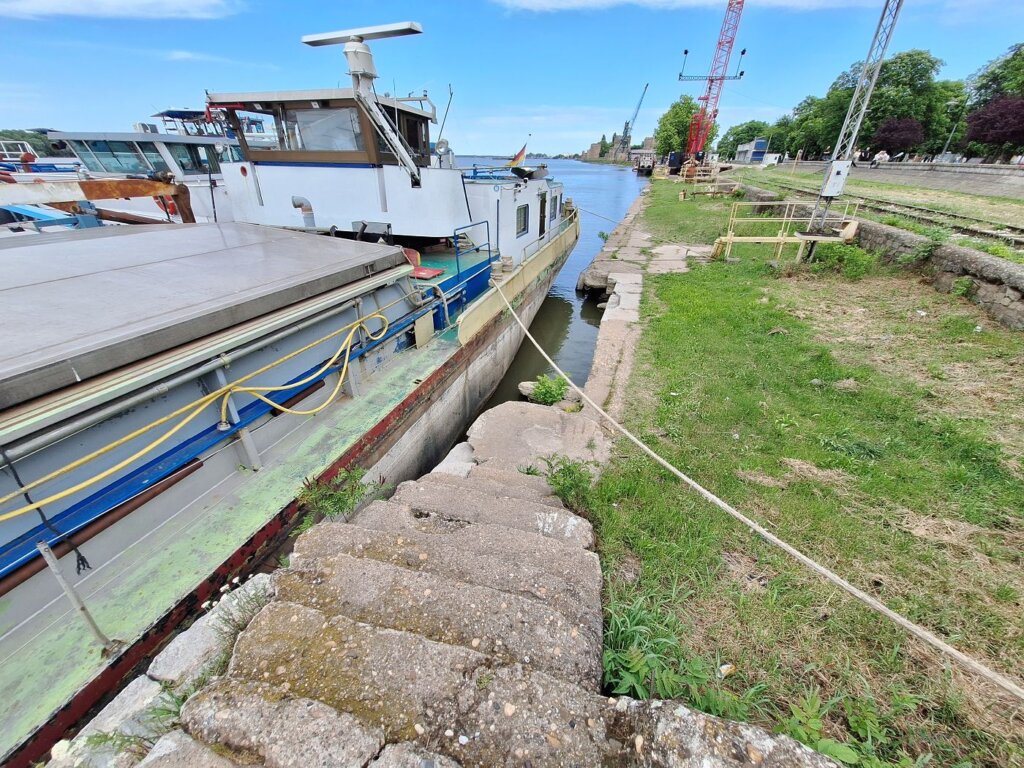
(165, 390)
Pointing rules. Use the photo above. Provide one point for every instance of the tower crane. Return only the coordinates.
(627, 129)
(700, 124)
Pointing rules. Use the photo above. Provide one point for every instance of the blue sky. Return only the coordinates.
(564, 71)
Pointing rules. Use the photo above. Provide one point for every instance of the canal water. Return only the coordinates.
(566, 324)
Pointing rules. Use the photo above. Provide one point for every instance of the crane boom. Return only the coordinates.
(627, 130)
(700, 125)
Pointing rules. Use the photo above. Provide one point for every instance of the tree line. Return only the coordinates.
(911, 112)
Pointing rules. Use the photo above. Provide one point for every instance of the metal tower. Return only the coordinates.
(839, 166)
(700, 125)
(627, 130)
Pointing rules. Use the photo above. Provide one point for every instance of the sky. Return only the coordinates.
(560, 72)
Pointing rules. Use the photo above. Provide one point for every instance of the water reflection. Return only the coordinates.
(566, 324)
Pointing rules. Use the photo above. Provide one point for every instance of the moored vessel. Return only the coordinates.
(157, 428)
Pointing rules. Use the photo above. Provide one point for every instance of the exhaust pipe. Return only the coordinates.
(308, 219)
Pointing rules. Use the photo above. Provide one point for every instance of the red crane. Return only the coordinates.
(700, 125)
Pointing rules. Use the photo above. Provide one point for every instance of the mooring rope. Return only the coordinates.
(600, 216)
(917, 631)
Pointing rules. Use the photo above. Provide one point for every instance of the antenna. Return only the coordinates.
(381, 31)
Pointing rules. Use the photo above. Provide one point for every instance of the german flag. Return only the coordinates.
(518, 159)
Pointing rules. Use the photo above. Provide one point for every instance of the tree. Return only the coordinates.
(741, 134)
(999, 126)
(1001, 77)
(673, 128)
(898, 134)
(605, 146)
(38, 141)
(779, 133)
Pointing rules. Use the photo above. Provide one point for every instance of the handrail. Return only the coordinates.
(455, 239)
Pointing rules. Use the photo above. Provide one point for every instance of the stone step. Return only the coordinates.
(459, 505)
(538, 483)
(494, 488)
(293, 660)
(564, 577)
(501, 626)
(253, 717)
(520, 434)
(385, 678)
(179, 750)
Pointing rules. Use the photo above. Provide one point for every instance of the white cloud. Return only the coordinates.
(194, 56)
(576, 5)
(125, 9)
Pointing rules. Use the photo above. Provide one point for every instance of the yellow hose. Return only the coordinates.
(198, 406)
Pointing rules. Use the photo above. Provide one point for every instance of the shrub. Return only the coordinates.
(923, 251)
(549, 391)
(849, 260)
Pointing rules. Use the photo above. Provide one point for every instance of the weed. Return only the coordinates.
(237, 609)
(283, 561)
(604, 236)
(529, 469)
(549, 391)
(120, 743)
(923, 251)
(336, 498)
(852, 262)
(571, 481)
(963, 287)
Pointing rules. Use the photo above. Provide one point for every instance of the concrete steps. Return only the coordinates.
(560, 576)
(458, 624)
(504, 627)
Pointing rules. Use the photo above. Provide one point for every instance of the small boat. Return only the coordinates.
(165, 389)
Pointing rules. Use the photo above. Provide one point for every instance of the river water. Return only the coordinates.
(566, 324)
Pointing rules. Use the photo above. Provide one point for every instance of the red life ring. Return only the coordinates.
(167, 206)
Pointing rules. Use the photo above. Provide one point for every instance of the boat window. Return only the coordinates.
(522, 220)
(554, 207)
(85, 155)
(193, 158)
(153, 155)
(230, 154)
(118, 156)
(336, 130)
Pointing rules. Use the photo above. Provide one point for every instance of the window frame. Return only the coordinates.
(523, 220)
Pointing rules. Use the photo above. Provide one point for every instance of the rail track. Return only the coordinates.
(1008, 233)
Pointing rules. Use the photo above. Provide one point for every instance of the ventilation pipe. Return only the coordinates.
(308, 219)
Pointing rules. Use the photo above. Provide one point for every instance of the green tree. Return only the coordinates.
(40, 144)
(779, 134)
(741, 134)
(1001, 77)
(605, 146)
(674, 127)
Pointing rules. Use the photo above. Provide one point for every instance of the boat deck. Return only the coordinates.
(464, 264)
(125, 293)
(151, 561)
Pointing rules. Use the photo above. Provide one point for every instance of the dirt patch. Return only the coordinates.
(805, 470)
(942, 530)
(760, 478)
(742, 569)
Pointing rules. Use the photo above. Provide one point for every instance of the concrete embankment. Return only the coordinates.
(995, 284)
(458, 623)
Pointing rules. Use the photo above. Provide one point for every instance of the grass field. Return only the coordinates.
(1000, 210)
(874, 424)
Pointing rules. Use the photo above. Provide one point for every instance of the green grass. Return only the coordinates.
(724, 389)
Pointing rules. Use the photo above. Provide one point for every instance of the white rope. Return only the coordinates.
(917, 631)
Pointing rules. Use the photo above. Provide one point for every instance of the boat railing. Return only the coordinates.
(534, 246)
(459, 252)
